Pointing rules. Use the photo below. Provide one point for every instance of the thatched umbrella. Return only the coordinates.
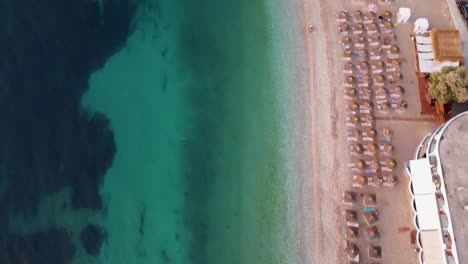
(371, 147)
(386, 132)
(371, 26)
(356, 133)
(359, 26)
(385, 106)
(379, 78)
(351, 92)
(347, 53)
(388, 25)
(352, 105)
(357, 14)
(357, 148)
(392, 180)
(350, 215)
(375, 252)
(352, 250)
(377, 180)
(361, 39)
(377, 50)
(360, 164)
(381, 91)
(372, 233)
(388, 148)
(351, 232)
(371, 132)
(374, 37)
(371, 217)
(397, 75)
(402, 105)
(349, 65)
(349, 197)
(395, 63)
(365, 79)
(394, 49)
(387, 14)
(364, 66)
(355, 119)
(368, 104)
(370, 199)
(369, 118)
(387, 40)
(390, 163)
(398, 90)
(344, 26)
(370, 15)
(342, 14)
(378, 64)
(374, 164)
(365, 91)
(346, 39)
(359, 180)
(362, 52)
(350, 79)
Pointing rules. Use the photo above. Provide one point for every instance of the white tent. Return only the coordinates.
(433, 247)
(421, 176)
(423, 40)
(421, 25)
(426, 55)
(403, 15)
(424, 48)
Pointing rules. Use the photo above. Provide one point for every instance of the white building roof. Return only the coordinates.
(431, 241)
(422, 177)
(428, 214)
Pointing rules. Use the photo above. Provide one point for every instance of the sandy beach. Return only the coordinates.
(330, 155)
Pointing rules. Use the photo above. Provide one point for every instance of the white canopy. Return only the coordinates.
(421, 177)
(403, 15)
(424, 48)
(433, 248)
(428, 214)
(421, 25)
(423, 40)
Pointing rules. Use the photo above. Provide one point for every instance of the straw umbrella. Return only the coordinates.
(371, 147)
(377, 50)
(394, 49)
(361, 39)
(378, 64)
(368, 104)
(388, 25)
(369, 118)
(355, 119)
(371, 217)
(388, 148)
(390, 163)
(359, 26)
(374, 37)
(351, 232)
(351, 215)
(346, 39)
(385, 106)
(344, 26)
(351, 92)
(371, 26)
(381, 91)
(402, 105)
(372, 233)
(395, 63)
(397, 76)
(387, 14)
(391, 180)
(386, 132)
(352, 105)
(364, 66)
(347, 53)
(398, 90)
(352, 250)
(350, 79)
(370, 199)
(349, 65)
(371, 132)
(357, 148)
(359, 180)
(357, 14)
(370, 15)
(374, 164)
(342, 14)
(349, 197)
(365, 79)
(365, 91)
(375, 252)
(356, 133)
(379, 78)
(360, 164)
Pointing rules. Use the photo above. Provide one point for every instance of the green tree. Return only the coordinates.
(450, 85)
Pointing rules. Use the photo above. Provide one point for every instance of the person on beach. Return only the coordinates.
(309, 28)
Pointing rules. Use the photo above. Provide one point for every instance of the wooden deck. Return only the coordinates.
(426, 108)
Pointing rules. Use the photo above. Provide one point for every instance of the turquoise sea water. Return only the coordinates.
(199, 175)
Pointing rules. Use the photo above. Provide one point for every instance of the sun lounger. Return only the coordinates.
(423, 40)
(349, 124)
(392, 69)
(347, 72)
(374, 44)
(366, 124)
(349, 112)
(357, 32)
(365, 111)
(387, 169)
(377, 70)
(375, 57)
(363, 84)
(368, 139)
(352, 139)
